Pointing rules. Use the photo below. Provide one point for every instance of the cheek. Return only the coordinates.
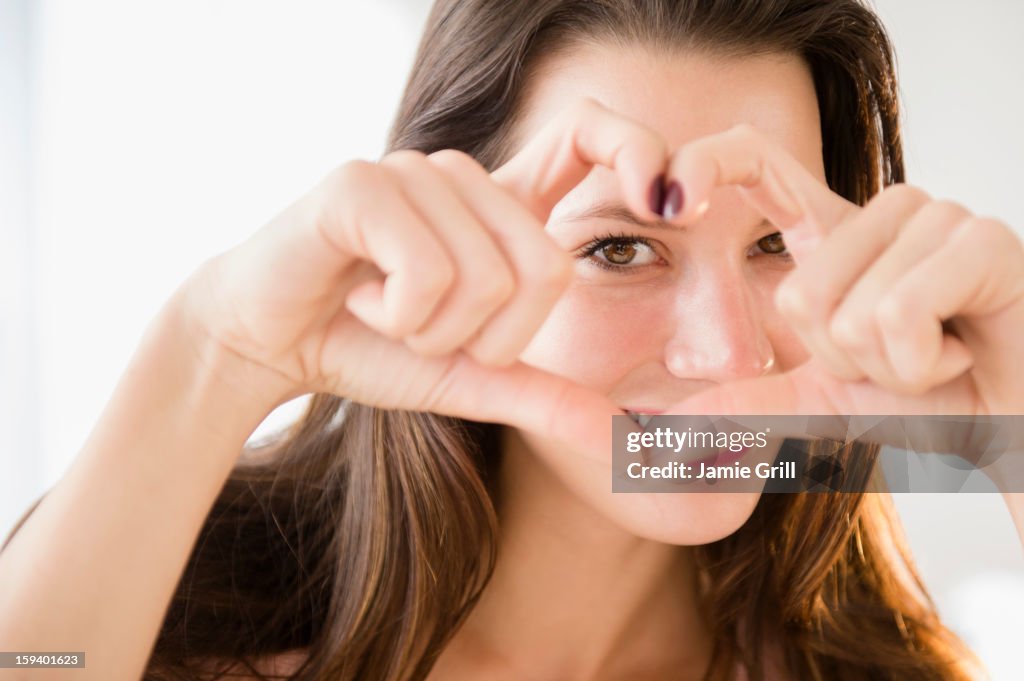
(671, 518)
(595, 335)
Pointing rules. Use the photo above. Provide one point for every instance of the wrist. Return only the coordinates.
(204, 374)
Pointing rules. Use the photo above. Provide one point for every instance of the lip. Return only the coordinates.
(725, 457)
(643, 410)
(729, 457)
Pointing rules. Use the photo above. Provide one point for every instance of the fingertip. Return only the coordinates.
(656, 196)
(685, 199)
(791, 301)
(689, 179)
(366, 303)
(930, 369)
(644, 184)
(956, 358)
(640, 164)
(674, 202)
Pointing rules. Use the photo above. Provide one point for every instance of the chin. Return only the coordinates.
(681, 518)
(684, 519)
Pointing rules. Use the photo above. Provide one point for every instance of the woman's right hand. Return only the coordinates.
(414, 283)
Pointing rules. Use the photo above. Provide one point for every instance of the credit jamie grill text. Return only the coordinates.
(683, 454)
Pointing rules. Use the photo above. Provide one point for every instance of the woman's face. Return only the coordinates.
(662, 312)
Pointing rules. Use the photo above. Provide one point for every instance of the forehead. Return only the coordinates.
(681, 95)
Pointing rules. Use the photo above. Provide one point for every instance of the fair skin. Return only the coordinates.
(426, 283)
(694, 311)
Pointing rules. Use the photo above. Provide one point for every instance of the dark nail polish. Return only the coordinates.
(673, 201)
(656, 196)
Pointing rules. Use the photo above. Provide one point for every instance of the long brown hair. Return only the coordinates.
(367, 535)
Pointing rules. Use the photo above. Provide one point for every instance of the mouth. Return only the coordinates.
(641, 417)
(723, 457)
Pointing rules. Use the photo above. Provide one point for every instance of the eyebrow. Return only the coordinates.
(619, 213)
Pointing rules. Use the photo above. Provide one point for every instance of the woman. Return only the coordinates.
(588, 215)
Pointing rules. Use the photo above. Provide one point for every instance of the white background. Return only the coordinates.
(139, 138)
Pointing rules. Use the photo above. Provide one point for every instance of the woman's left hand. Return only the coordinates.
(907, 305)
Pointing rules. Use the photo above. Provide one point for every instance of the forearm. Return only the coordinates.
(94, 567)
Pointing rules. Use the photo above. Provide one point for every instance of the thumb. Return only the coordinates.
(528, 398)
(823, 406)
(814, 402)
(802, 391)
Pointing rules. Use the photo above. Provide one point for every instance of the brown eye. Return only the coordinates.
(772, 244)
(620, 253)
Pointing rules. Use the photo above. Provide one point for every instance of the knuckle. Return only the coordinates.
(404, 159)
(745, 132)
(493, 289)
(655, 145)
(455, 160)
(903, 194)
(431, 279)
(584, 114)
(347, 195)
(948, 208)
(793, 301)
(439, 278)
(815, 297)
(939, 218)
(911, 379)
(848, 331)
(353, 177)
(893, 311)
(555, 272)
(915, 386)
(990, 233)
(587, 106)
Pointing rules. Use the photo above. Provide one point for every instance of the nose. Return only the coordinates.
(719, 334)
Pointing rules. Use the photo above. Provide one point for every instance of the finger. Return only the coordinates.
(809, 390)
(798, 392)
(771, 180)
(855, 326)
(990, 257)
(839, 410)
(563, 153)
(375, 222)
(541, 269)
(456, 385)
(483, 279)
(528, 398)
(986, 258)
(809, 297)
